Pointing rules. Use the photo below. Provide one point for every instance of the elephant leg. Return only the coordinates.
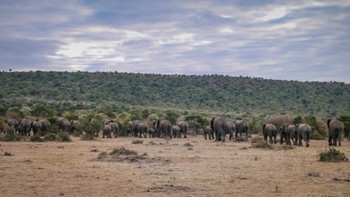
(275, 138)
(265, 137)
(281, 139)
(335, 141)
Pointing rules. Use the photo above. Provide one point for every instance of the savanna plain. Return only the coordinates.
(178, 167)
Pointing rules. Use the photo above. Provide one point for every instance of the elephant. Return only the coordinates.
(135, 127)
(74, 126)
(335, 131)
(46, 125)
(12, 123)
(183, 128)
(107, 130)
(241, 127)
(288, 133)
(151, 133)
(270, 130)
(218, 125)
(63, 124)
(163, 127)
(37, 127)
(114, 126)
(143, 130)
(208, 132)
(24, 126)
(230, 128)
(303, 133)
(176, 131)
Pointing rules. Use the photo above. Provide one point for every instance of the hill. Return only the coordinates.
(118, 92)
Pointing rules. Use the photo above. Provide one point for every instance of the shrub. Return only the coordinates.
(64, 137)
(122, 151)
(262, 144)
(137, 142)
(10, 135)
(90, 126)
(316, 136)
(36, 138)
(332, 155)
(51, 137)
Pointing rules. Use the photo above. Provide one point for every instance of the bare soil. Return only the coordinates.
(177, 167)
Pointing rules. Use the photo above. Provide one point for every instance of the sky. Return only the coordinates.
(304, 40)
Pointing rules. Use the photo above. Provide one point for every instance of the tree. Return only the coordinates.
(172, 116)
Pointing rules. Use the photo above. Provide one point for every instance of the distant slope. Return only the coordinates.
(119, 91)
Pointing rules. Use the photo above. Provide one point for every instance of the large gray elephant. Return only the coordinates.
(24, 126)
(12, 123)
(304, 133)
(208, 133)
(46, 126)
(176, 131)
(335, 131)
(230, 128)
(63, 124)
(241, 127)
(151, 133)
(183, 128)
(270, 130)
(288, 134)
(114, 127)
(135, 127)
(37, 127)
(163, 127)
(107, 130)
(217, 124)
(143, 130)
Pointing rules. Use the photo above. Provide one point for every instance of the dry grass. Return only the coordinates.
(169, 169)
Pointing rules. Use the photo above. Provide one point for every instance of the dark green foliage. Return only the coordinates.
(346, 120)
(298, 120)
(316, 136)
(332, 155)
(42, 111)
(65, 91)
(72, 116)
(36, 138)
(172, 116)
(10, 135)
(90, 126)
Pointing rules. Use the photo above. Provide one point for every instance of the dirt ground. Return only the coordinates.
(178, 167)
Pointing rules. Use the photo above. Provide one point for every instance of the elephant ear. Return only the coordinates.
(212, 123)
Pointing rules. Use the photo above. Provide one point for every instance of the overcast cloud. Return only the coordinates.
(294, 40)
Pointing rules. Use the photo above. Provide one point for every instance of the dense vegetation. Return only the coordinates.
(141, 96)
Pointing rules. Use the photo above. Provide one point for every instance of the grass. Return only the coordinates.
(332, 155)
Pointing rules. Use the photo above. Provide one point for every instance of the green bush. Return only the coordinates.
(36, 138)
(316, 136)
(51, 137)
(332, 155)
(10, 135)
(64, 137)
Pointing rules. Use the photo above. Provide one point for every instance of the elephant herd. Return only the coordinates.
(161, 128)
(220, 127)
(296, 133)
(25, 126)
(290, 134)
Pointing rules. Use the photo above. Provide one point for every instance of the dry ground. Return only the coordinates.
(169, 168)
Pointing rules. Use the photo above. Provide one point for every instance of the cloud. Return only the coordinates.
(266, 38)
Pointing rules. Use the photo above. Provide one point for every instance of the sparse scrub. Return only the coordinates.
(262, 144)
(51, 137)
(8, 154)
(10, 135)
(332, 155)
(187, 144)
(64, 137)
(122, 151)
(137, 142)
(36, 138)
